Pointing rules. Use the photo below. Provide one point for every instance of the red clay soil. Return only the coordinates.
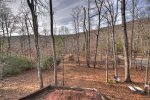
(12, 88)
(73, 95)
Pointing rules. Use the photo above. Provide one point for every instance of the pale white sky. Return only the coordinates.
(62, 11)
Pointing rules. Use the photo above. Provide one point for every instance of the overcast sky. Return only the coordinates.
(62, 10)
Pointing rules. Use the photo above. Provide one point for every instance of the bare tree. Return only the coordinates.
(33, 8)
(9, 25)
(88, 34)
(28, 33)
(113, 11)
(76, 15)
(134, 5)
(99, 10)
(108, 45)
(126, 46)
(53, 41)
(63, 34)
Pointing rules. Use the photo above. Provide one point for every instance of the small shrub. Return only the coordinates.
(15, 65)
(48, 63)
(110, 82)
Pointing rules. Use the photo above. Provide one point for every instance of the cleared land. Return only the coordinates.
(12, 88)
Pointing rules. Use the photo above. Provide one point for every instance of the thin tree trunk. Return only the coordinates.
(88, 36)
(148, 65)
(63, 74)
(1, 66)
(53, 43)
(21, 45)
(8, 39)
(2, 50)
(29, 41)
(107, 52)
(32, 5)
(78, 46)
(114, 50)
(84, 30)
(99, 24)
(126, 52)
(63, 61)
(95, 56)
(22, 40)
(132, 34)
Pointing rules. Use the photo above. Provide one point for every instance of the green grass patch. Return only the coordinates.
(16, 65)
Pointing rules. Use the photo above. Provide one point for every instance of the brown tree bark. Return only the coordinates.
(53, 43)
(88, 36)
(99, 9)
(113, 15)
(126, 44)
(32, 5)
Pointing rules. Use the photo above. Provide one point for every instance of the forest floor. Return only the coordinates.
(12, 88)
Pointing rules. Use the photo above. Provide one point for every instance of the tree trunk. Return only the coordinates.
(63, 61)
(78, 46)
(1, 66)
(75, 15)
(2, 50)
(132, 34)
(32, 5)
(88, 36)
(8, 38)
(107, 53)
(53, 43)
(95, 56)
(148, 65)
(29, 41)
(114, 50)
(126, 52)
(99, 25)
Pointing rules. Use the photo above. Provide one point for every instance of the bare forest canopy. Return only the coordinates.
(17, 11)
